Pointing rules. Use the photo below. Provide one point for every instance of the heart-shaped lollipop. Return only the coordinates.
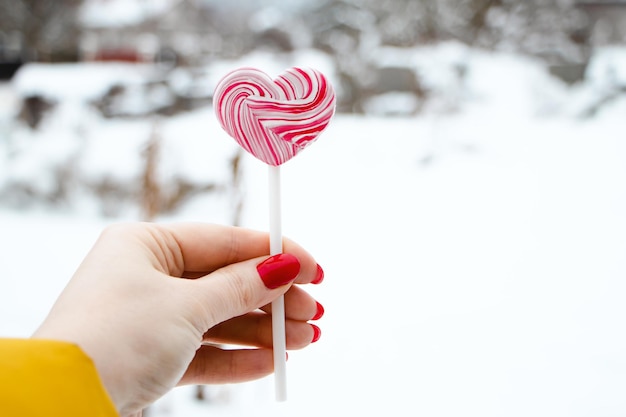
(274, 119)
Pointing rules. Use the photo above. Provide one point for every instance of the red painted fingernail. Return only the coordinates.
(319, 312)
(317, 333)
(278, 270)
(319, 277)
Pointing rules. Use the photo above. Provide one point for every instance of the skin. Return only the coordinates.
(150, 300)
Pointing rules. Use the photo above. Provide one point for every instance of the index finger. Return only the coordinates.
(207, 247)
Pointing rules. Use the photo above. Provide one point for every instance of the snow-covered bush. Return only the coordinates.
(120, 157)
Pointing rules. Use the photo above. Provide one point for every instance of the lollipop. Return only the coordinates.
(274, 119)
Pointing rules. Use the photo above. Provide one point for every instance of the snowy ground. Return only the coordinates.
(474, 263)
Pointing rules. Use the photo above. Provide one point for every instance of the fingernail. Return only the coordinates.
(319, 312)
(278, 270)
(317, 333)
(319, 277)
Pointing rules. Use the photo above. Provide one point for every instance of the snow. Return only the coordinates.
(608, 68)
(474, 259)
(119, 13)
(70, 81)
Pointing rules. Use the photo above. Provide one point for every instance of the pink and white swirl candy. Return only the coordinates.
(274, 119)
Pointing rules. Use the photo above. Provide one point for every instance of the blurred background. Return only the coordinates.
(75, 71)
(486, 134)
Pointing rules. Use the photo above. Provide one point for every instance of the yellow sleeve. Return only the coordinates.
(51, 379)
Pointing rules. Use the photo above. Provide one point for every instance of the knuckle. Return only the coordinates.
(244, 296)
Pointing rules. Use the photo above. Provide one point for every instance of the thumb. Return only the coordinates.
(242, 287)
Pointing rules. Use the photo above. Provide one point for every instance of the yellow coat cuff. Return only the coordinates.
(50, 378)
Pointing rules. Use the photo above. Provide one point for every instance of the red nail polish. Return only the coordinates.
(319, 312)
(278, 270)
(317, 333)
(319, 277)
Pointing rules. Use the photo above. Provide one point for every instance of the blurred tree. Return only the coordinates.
(514, 24)
(352, 31)
(554, 30)
(48, 28)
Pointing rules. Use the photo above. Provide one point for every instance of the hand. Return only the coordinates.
(148, 298)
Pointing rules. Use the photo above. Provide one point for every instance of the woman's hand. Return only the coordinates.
(149, 300)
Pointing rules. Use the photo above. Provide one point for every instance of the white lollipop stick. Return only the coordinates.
(278, 305)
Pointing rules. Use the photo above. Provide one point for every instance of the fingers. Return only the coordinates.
(255, 329)
(205, 248)
(212, 365)
(235, 289)
(239, 288)
(299, 305)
